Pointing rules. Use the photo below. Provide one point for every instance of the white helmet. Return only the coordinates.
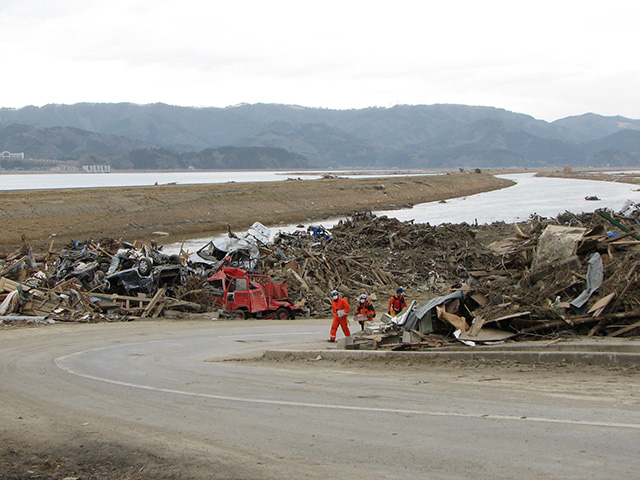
(363, 297)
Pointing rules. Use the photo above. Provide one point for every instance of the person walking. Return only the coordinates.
(364, 308)
(397, 303)
(340, 308)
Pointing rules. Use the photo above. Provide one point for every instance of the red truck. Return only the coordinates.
(249, 295)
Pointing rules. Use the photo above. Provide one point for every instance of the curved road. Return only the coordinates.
(194, 393)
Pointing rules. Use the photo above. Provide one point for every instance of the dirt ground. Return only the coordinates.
(185, 211)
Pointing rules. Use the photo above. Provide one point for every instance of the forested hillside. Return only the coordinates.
(286, 136)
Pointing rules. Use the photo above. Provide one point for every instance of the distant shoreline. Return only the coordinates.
(554, 171)
(315, 171)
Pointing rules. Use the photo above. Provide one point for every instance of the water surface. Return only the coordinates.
(48, 181)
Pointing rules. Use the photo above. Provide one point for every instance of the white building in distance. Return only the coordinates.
(97, 168)
(11, 156)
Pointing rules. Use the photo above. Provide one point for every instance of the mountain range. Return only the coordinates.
(128, 135)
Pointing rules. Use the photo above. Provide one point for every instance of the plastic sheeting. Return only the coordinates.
(595, 276)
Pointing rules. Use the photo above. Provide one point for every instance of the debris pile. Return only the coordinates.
(485, 283)
(373, 255)
(469, 283)
(110, 280)
(91, 281)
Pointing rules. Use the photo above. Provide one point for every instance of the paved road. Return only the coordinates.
(170, 387)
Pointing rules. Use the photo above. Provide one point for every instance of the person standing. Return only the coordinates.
(366, 309)
(397, 303)
(340, 308)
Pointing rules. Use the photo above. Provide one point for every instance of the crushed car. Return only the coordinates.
(233, 251)
(133, 268)
(144, 270)
(83, 263)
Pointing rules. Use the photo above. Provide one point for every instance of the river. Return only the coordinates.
(544, 196)
(48, 181)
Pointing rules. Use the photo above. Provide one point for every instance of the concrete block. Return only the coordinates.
(344, 343)
(410, 337)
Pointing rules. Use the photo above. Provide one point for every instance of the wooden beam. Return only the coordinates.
(153, 302)
(624, 329)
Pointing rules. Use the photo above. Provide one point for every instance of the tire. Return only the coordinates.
(241, 314)
(99, 276)
(283, 314)
(144, 266)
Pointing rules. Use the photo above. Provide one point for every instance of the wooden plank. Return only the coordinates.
(113, 296)
(10, 285)
(12, 265)
(153, 302)
(520, 233)
(509, 317)
(420, 334)
(50, 252)
(66, 285)
(627, 243)
(624, 329)
(488, 273)
(581, 319)
(108, 305)
(86, 303)
(618, 238)
(159, 307)
(601, 304)
(476, 326)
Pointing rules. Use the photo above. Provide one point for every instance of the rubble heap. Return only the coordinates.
(473, 283)
(528, 279)
(91, 281)
(367, 254)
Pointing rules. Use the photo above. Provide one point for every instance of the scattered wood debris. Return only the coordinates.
(521, 281)
(475, 283)
(73, 285)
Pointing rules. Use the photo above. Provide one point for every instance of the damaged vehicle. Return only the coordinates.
(133, 280)
(245, 295)
(82, 263)
(129, 282)
(129, 256)
(143, 270)
(233, 251)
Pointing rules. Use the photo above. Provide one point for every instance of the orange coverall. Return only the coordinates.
(396, 304)
(365, 308)
(336, 305)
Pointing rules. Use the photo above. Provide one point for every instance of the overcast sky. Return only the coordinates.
(548, 59)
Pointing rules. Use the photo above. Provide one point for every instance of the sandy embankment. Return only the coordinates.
(595, 175)
(186, 211)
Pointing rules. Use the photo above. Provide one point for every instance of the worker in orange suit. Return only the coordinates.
(365, 308)
(340, 308)
(397, 303)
